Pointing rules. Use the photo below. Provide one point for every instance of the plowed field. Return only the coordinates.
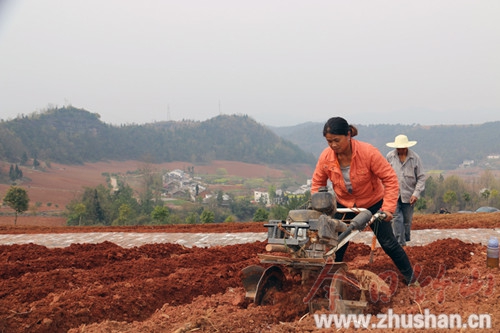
(170, 288)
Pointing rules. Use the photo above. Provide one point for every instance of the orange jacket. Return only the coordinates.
(372, 177)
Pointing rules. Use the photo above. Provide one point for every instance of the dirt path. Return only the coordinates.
(46, 224)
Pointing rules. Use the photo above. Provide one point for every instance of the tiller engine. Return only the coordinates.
(304, 245)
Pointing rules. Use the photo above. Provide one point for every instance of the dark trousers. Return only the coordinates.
(401, 223)
(387, 240)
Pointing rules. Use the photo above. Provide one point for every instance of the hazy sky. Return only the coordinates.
(281, 62)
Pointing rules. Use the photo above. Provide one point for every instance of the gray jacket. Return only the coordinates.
(411, 174)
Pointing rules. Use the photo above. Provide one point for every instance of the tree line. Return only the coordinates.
(101, 205)
(455, 194)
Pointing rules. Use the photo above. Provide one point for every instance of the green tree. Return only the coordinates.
(124, 214)
(17, 199)
(467, 199)
(220, 197)
(124, 195)
(19, 172)
(36, 164)
(450, 197)
(457, 185)
(207, 216)
(243, 209)
(15, 172)
(430, 187)
(24, 158)
(278, 212)
(98, 203)
(191, 218)
(97, 210)
(160, 214)
(146, 202)
(12, 174)
(421, 204)
(261, 215)
(272, 193)
(230, 218)
(80, 210)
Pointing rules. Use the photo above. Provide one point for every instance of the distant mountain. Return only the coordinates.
(440, 147)
(74, 136)
(70, 136)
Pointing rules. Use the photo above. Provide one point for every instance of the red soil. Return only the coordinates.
(171, 288)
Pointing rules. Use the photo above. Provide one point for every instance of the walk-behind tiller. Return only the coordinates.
(305, 244)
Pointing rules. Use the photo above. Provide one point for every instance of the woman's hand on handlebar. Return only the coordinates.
(383, 216)
(388, 216)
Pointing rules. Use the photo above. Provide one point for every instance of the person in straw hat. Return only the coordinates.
(411, 176)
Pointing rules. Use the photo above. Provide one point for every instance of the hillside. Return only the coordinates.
(74, 136)
(440, 147)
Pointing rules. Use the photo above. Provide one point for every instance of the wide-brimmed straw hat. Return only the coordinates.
(401, 141)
